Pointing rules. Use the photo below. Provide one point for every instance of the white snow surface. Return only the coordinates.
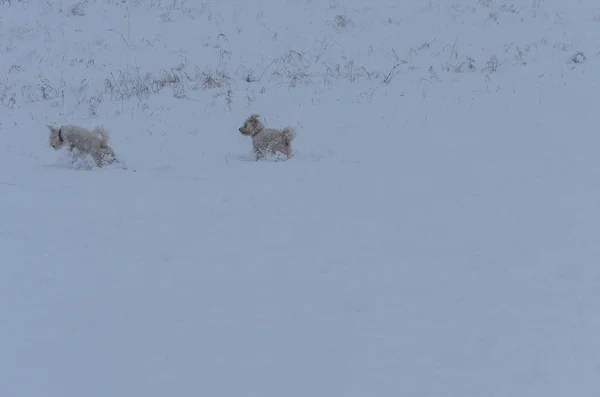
(436, 233)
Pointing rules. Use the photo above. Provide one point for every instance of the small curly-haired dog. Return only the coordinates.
(267, 141)
(94, 143)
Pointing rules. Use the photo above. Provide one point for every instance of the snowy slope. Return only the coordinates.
(435, 234)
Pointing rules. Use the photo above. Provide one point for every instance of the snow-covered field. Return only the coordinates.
(437, 232)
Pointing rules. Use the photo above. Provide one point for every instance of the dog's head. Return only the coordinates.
(252, 126)
(56, 139)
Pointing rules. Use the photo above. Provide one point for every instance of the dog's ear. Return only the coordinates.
(254, 119)
(51, 128)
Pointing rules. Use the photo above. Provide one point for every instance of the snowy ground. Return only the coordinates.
(435, 234)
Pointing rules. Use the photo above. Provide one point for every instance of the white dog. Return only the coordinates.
(266, 141)
(94, 143)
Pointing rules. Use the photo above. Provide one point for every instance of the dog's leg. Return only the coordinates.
(259, 152)
(98, 158)
(112, 158)
(107, 154)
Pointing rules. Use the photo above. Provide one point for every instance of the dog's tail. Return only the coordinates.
(289, 133)
(102, 133)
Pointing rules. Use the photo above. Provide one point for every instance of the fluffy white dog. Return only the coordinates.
(94, 143)
(267, 141)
